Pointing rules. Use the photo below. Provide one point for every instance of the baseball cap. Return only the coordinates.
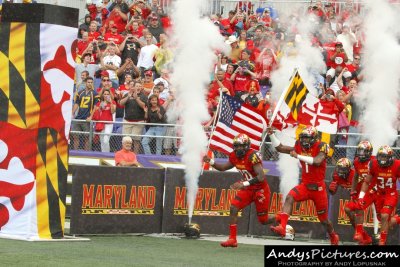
(104, 73)
(148, 73)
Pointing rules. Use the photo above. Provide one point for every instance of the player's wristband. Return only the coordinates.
(362, 194)
(306, 159)
(246, 183)
(274, 140)
(212, 162)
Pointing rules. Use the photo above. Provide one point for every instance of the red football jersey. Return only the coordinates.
(385, 178)
(345, 183)
(245, 166)
(312, 173)
(362, 169)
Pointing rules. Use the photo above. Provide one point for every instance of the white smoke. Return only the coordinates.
(309, 61)
(379, 91)
(197, 39)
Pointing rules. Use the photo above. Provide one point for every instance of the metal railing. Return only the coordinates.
(171, 142)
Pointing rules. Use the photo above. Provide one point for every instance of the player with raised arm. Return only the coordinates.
(312, 154)
(253, 186)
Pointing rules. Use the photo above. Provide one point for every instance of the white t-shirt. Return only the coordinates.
(115, 61)
(146, 55)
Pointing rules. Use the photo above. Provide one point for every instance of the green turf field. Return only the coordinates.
(127, 250)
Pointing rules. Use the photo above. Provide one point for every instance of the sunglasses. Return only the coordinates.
(357, 58)
(106, 80)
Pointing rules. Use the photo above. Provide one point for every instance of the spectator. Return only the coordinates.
(130, 48)
(163, 55)
(84, 105)
(84, 27)
(243, 74)
(235, 49)
(93, 33)
(113, 36)
(145, 60)
(133, 27)
(119, 10)
(134, 103)
(81, 85)
(106, 107)
(111, 62)
(125, 157)
(98, 12)
(222, 63)
(154, 114)
(85, 66)
(127, 68)
(220, 83)
(253, 97)
(348, 39)
(165, 79)
(142, 40)
(155, 27)
(82, 45)
(148, 82)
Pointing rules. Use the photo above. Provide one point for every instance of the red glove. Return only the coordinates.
(333, 187)
(353, 195)
(260, 196)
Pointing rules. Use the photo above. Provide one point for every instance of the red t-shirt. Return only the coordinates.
(105, 112)
(312, 173)
(115, 38)
(241, 82)
(93, 36)
(214, 91)
(82, 45)
(124, 155)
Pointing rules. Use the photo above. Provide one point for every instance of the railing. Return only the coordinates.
(267, 151)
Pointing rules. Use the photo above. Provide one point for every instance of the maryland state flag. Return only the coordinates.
(36, 87)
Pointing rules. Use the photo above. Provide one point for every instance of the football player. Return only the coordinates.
(384, 171)
(253, 186)
(312, 154)
(353, 209)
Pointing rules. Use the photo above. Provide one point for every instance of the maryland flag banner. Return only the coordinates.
(36, 88)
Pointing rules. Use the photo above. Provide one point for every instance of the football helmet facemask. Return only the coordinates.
(385, 156)
(343, 166)
(308, 137)
(364, 151)
(241, 144)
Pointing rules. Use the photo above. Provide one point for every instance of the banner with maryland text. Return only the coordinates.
(36, 85)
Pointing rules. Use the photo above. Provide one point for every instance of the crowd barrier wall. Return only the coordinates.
(110, 200)
(168, 213)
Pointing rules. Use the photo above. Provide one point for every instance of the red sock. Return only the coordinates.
(359, 228)
(284, 219)
(383, 237)
(232, 231)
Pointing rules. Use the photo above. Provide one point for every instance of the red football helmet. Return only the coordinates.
(385, 156)
(241, 143)
(364, 151)
(308, 137)
(343, 166)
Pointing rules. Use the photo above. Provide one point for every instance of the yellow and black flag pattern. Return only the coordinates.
(296, 94)
(33, 128)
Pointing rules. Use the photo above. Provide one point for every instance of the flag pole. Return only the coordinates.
(218, 111)
(279, 104)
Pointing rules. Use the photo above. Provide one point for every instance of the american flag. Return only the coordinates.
(236, 117)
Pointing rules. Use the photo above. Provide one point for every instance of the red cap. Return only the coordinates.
(104, 73)
(148, 72)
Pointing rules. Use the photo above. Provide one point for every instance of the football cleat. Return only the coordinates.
(334, 239)
(358, 237)
(229, 243)
(279, 230)
(366, 239)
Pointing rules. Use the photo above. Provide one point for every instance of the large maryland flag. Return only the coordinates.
(298, 106)
(36, 85)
